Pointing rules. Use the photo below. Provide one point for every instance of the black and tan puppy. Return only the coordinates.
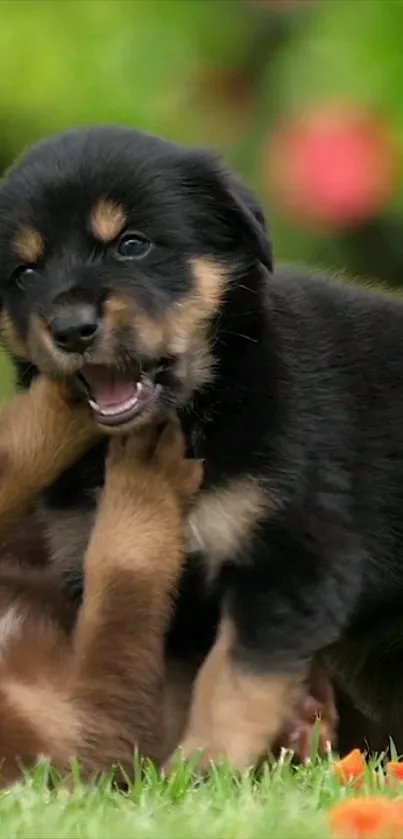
(141, 272)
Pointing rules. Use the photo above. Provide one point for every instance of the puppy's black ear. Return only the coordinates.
(254, 218)
(230, 207)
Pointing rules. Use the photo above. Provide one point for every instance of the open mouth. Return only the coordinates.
(116, 398)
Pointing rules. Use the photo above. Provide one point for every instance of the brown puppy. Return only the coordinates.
(97, 693)
(42, 432)
(94, 692)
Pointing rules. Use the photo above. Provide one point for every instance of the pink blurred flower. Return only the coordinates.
(331, 167)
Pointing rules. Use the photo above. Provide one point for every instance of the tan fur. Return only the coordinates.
(224, 519)
(44, 353)
(187, 324)
(178, 331)
(29, 244)
(11, 625)
(107, 220)
(150, 334)
(10, 338)
(180, 325)
(122, 311)
(181, 330)
(118, 306)
(97, 691)
(186, 321)
(236, 714)
(51, 714)
(41, 435)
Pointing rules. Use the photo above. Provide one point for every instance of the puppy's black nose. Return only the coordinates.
(74, 327)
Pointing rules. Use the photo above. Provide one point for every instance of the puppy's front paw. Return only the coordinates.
(127, 454)
(184, 475)
(315, 718)
(155, 459)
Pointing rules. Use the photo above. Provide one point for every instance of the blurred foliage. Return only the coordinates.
(226, 73)
(66, 62)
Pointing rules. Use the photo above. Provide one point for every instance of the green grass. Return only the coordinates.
(6, 376)
(285, 803)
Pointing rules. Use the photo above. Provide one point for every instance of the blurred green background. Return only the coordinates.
(303, 97)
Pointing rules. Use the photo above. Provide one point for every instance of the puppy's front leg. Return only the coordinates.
(42, 433)
(282, 607)
(131, 569)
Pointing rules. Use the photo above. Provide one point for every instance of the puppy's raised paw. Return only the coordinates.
(186, 475)
(128, 452)
(156, 459)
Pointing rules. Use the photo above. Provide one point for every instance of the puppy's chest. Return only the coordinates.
(231, 505)
(220, 524)
(224, 519)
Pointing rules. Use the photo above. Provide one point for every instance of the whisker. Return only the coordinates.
(239, 335)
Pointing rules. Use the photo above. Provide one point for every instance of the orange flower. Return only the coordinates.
(394, 772)
(350, 768)
(367, 818)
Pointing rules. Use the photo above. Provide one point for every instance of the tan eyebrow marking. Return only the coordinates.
(107, 220)
(29, 244)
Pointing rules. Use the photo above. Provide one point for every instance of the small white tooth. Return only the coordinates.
(113, 410)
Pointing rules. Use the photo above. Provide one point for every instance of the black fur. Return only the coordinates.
(308, 393)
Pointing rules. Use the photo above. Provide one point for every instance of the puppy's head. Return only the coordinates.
(118, 253)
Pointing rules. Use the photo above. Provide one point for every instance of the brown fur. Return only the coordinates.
(26, 543)
(40, 436)
(107, 220)
(96, 691)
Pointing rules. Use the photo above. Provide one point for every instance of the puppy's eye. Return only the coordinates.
(24, 275)
(133, 246)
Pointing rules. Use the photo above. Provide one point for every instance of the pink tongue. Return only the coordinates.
(114, 393)
(109, 391)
